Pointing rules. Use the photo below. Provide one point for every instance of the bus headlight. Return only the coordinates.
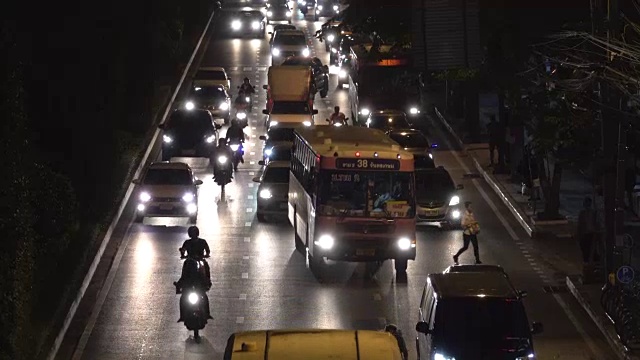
(236, 24)
(325, 242)
(193, 298)
(404, 244)
(306, 123)
(265, 194)
(455, 200)
(275, 52)
(145, 197)
(365, 112)
(414, 111)
(268, 152)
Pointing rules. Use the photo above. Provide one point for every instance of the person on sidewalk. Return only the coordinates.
(471, 228)
(496, 137)
(587, 231)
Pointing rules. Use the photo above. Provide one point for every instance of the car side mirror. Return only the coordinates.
(314, 112)
(136, 181)
(422, 327)
(161, 126)
(256, 179)
(459, 187)
(270, 33)
(198, 182)
(536, 328)
(522, 293)
(262, 137)
(265, 111)
(218, 126)
(254, 86)
(265, 87)
(261, 162)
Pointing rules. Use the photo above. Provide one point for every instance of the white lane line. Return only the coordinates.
(250, 184)
(245, 257)
(585, 336)
(240, 320)
(243, 296)
(252, 153)
(247, 238)
(251, 173)
(248, 68)
(247, 224)
(252, 162)
(249, 210)
(245, 275)
(250, 197)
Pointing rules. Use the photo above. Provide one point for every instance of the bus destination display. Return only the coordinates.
(368, 164)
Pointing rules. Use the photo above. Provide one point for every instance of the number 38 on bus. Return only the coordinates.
(351, 196)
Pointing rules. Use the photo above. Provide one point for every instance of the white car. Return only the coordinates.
(211, 76)
(288, 43)
(167, 189)
(291, 113)
(273, 192)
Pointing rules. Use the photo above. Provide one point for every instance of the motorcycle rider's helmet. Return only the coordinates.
(235, 122)
(193, 232)
(246, 80)
(336, 109)
(222, 142)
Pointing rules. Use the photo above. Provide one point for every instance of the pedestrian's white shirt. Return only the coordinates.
(467, 220)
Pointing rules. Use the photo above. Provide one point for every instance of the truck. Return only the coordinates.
(290, 93)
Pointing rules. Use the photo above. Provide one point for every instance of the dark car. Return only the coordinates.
(249, 22)
(213, 98)
(437, 197)
(414, 141)
(278, 12)
(386, 120)
(328, 7)
(188, 133)
(320, 72)
(278, 152)
(277, 137)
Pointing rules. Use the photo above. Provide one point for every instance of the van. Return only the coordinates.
(312, 344)
(473, 313)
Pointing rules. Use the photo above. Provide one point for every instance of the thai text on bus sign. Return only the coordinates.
(368, 164)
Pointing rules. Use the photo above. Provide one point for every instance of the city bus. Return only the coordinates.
(382, 80)
(352, 196)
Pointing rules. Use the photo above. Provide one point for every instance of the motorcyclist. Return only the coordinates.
(236, 135)
(337, 116)
(197, 249)
(222, 149)
(246, 87)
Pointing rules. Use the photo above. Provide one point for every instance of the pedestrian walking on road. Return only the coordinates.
(471, 228)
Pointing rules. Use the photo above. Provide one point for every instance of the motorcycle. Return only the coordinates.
(222, 172)
(238, 152)
(244, 98)
(241, 116)
(194, 303)
(338, 123)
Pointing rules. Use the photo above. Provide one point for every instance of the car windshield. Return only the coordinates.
(291, 40)
(280, 134)
(410, 139)
(284, 27)
(298, 61)
(478, 320)
(280, 153)
(385, 122)
(433, 183)
(276, 175)
(167, 177)
(381, 80)
(210, 75)
(194, 122)
(366, 193)
(208, 92)
(252, 15)
(290, 107)
(279, 7)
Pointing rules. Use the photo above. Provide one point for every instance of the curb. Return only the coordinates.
(602, 324)
(492, 183)
(107, 238)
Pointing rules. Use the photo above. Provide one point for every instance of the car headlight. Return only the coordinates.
(247, 99)
(167, 139)
(255, 25)
(192, 208)
(209, 139)
(431, 156)
(236, 24)
(189, 105)
(275, 52)
(306, 123)
(320, 8)
(222, 159)
(265, 194)
(288, 13)
(224, 106)
(342, 73)
(455, 200)
(305, 52)
(234, 147)
(331, 37)
(325, 241)
(241, 115)
(365, 112)
(273, 123)
(268, 152)
(144, 196)
(188, 197)
(528, 357)
(455, 214)
(141, 207)
(405, 244)
(304, 3)
(439, 356)
(193, 298)
(336, 7)
(269, 14)
(414, 111)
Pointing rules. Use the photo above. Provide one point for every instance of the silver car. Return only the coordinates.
(437, 197)
(414, 141)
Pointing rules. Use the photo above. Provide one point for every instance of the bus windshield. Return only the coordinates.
(366, 194)
(385, 80)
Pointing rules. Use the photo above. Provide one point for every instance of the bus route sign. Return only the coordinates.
(367, 164)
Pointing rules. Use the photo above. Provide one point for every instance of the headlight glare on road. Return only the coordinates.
(268, 152)
(236, 24)
(414, 111)
(365, 112)
(306, 53)
(167, 139)
(192, 208)
(222, 159)
(193, 298)
(325, 242)
(224, 106)
(265, 194)
(210, 139)
(144, 196)
(404, 244)
(275, 52)
(269, 14)
(455, 200)
(255, 25)
(455, 214)
(188, 197)
(331, 37)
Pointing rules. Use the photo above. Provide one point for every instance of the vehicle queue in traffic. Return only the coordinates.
(352, 190)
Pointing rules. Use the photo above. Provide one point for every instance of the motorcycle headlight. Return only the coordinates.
(528, 357)
(167, 139)
(431, 156)
(269, 14)
(334, 50)
(188, 197)
(209, 139)
(342, 73)
(320, 8)
(325, 242)
(414, 111)
(306, 123)
(365, 112)
(288, 13)
(241, 115)
(265, 194)
(439, 356)
(247, 99)
(144, 196)
(268, 152)
(405, 244)
(224, 106)
(192, 208)
(304, 3)
(305, 52)
(331, 37)
(234, 147)
(193, 298)
(222, 159)
(189, 105)
(255, 25)
(236, 24)
(455, 200)
(275, 52)
(337, 124)
(336, 7)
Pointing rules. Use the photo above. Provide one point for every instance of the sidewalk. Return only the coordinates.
(552, 239)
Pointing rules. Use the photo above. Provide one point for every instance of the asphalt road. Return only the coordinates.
(260, 281)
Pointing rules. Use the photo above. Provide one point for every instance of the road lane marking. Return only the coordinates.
(245, 275)
(249, 210)
(247, 224)
(252, 162)
(243, 296)
(245, 257)
(247, 68)
(247, 238)
(250, 197)
(251, 173)
(250, 184)
(252, 153)
(240, 320)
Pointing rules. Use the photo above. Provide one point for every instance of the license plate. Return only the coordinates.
(166, 207)
(188, 152)
(283, 206)
(431, 212)
(365, 252)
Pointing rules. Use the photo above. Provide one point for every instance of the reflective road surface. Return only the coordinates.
(260, 281)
